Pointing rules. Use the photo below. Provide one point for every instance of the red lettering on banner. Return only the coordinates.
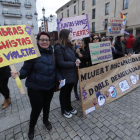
(20, 30)
(23, 41)
(15, 31)
(18, 40)
(87, 31)
(5, 45)
(15, 44)
(4, 32)
(1, 59)
(9, 31)
(28, 41)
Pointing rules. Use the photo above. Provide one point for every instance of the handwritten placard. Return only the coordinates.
(115, 27)
(100, 52)
(79, 26)
(17, 44)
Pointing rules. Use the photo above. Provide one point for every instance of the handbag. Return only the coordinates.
(56, 89)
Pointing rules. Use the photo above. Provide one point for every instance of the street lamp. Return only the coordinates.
(44, 18)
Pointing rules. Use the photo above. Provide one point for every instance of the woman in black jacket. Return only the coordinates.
(41, 76)
(67, 62)
(120, 47)
(4, 90)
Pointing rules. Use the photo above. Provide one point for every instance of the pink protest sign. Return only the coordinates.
(79, 26)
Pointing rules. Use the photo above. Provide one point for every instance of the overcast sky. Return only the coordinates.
(50, 6)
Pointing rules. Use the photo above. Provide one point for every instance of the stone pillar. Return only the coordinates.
(134, 32)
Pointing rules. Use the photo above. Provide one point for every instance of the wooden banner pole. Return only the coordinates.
(18, 81)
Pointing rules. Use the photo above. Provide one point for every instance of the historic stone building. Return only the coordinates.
(99, 10)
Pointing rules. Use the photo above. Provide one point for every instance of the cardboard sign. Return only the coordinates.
(115, 27)
(106, 82)
(17, 44)
(100, 52)
(79, 26)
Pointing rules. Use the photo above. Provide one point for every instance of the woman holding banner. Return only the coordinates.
(41, 76)
(67, 63)
(4, 90)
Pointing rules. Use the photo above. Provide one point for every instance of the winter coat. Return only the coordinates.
(130, 42)
(88, 53)
(83, 59)
(65, 59)
(41, 72)
(137, 46)
(119, 50)
(5, 72)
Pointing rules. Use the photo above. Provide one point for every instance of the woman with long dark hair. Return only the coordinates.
(67, 64)
(41, 74)
(120, 47)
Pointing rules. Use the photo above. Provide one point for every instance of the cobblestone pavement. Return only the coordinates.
(119, 120)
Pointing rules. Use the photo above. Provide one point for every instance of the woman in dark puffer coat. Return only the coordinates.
(67, 62)
(41, 76)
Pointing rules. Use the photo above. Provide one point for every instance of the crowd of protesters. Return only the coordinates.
(56, 64)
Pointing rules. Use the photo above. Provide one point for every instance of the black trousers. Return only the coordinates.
(39, 99)
(65, 98)
(4, 90)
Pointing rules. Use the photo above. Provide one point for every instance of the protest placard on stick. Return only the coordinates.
(17, 44)
(100, 52)
(78, 25)
(115, 27)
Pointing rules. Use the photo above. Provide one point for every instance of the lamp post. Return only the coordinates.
(44, 18)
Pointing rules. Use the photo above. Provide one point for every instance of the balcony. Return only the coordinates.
(12, 14)
(29, 15)
(27, 5)
(11, 3)
(13, 23)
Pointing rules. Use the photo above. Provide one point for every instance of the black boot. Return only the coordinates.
(31, 134)
(48, 125)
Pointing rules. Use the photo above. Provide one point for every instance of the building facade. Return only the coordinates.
(18, 12)
(100, 10)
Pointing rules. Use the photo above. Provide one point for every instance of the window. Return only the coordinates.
(93, 2)
(125, 4)
(27, 2)
(93, 13)
(93, 26)
(107, 9)
(62, 15)
(67, 13)
(106, 23)
(126, 15)
(75, 9)
(83, 5)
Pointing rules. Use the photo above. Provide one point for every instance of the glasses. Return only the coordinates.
(43, 40)
(95, 38)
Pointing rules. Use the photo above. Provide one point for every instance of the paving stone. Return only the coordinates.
(105, 129)
(103, 136)
(135, 137)
(86, 137)
(72, 134)
(88, 131)
(128, 132)
(80, 132)
(111, 134)
(97, 130)
(77, 138)
(94, 137)
(63, 135)
(55, 136)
